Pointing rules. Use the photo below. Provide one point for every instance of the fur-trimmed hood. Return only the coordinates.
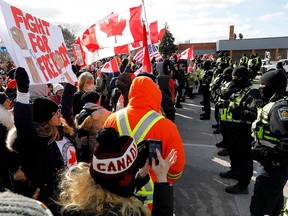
(6, 118)
(6, 126)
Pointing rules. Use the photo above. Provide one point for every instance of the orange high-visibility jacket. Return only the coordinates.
(145, 96)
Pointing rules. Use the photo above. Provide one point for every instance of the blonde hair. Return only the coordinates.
(83, 78)
(47, 130)
(79, 192)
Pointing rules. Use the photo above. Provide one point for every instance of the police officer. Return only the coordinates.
(224, 92)
(241, 112)
(244, 60)
(270, 148)
(208, 74)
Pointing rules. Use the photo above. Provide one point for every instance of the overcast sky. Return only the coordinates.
(194, 20)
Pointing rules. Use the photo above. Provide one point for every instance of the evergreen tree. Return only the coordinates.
(69, 37)
(167, 46)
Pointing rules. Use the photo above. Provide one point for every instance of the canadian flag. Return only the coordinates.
(153, 31)
(111, 35)
(187, 54)
(146, 58)
(111, 66)
(161, 34)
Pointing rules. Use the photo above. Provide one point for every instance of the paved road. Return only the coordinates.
(200, 191)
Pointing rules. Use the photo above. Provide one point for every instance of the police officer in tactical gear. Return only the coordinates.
(224, 92)
(270, 132)
(208, 74)
(241, 112)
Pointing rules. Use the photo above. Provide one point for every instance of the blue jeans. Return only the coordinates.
(268, 196)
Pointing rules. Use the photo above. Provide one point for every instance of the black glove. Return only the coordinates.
(22, 80)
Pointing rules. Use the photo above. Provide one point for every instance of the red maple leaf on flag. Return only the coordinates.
(113, 27)
(72, 160)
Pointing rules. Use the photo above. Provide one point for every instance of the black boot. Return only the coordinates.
(237, 189)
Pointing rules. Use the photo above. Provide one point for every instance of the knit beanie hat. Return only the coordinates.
(276, 80)
(124, 78)
(115, 162)
(15, 204)
(150, 75)
(3, 97)
(57, 87)
(11, 73)
(43, 109)
(90, 97)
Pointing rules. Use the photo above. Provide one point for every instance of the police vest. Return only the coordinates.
(261, 127)
(237, 101)
(223, 111)
(138, 133)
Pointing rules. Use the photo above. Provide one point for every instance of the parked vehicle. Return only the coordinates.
(269, 67)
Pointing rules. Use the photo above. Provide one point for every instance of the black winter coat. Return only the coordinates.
(39, 160)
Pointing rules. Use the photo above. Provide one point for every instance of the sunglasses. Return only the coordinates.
(57, 113)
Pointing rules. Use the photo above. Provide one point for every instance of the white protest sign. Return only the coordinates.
(35, 45)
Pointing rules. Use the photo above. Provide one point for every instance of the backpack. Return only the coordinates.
(278, 116)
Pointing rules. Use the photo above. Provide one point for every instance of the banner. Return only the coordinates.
(36, 45)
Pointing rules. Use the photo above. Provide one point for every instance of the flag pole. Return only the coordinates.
(146, 22)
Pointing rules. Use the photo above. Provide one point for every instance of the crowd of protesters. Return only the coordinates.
(62, 144)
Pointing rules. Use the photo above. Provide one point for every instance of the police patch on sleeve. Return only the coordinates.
(283, 113)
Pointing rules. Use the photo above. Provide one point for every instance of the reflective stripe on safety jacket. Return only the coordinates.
(237, 101)
(262, 130)
(139, 133)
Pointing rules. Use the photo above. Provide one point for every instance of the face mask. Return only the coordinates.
(266, 93)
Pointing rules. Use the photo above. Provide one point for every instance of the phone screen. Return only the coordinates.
(153, 145)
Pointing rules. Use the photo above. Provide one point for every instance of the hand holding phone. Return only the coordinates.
(152, 146)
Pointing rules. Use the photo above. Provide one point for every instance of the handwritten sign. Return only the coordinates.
(36, 45)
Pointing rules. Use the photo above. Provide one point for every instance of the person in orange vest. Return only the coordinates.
(142, 119)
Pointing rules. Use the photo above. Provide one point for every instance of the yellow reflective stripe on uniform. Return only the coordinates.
(147, 190)
(223, 116)
(121, 122)
(174, 176)
(263, 119)
(145, 124)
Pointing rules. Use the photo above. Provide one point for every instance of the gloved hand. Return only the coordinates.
(22, 80)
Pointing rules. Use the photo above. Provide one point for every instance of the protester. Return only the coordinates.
(9, 165)
(18, 205)
(44, 140)
(144, 107)
(57, 93)
(4, 101)
(167, 87)
(91, 119)
(85, 84)
(90, 189)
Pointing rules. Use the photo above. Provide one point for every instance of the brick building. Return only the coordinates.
(236, 47)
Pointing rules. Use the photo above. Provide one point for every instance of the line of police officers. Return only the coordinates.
(239, 105)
